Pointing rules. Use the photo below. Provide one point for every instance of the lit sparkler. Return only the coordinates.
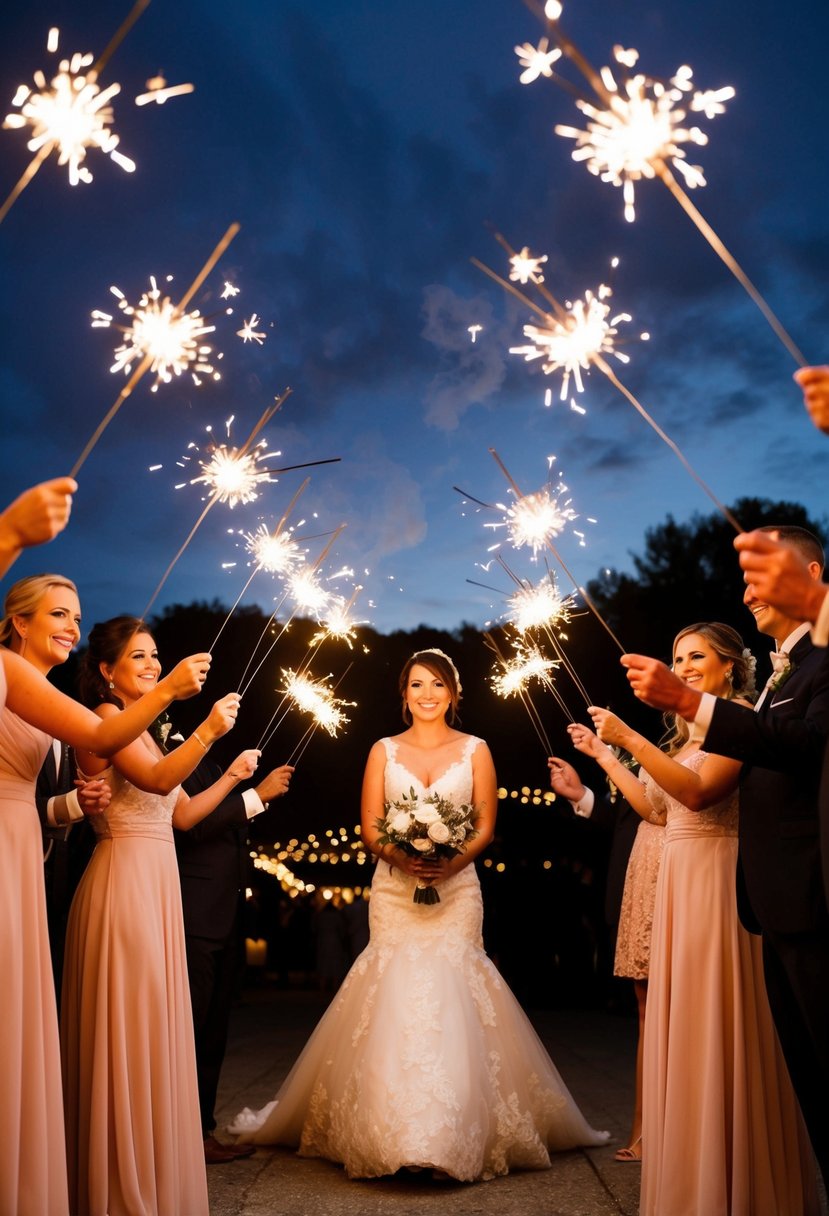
(276, 554)
(539, 607)
(147, 359)
(308, 593)
(526, 268)
(574, 343)
(317, 698)
(338, 623)
(512, 677)
(576, 338)
(160, 332)
(233, 475)
(535, 519)
(637, 128)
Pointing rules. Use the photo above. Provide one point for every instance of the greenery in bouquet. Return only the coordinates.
(433, 827)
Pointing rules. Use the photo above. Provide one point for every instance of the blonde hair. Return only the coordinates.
(726, 644)
(23, 599)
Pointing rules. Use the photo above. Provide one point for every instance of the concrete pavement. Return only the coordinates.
(594, 1051)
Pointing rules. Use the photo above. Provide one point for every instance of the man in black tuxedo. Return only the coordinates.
(64, 806)
(780, 888)
(213, 860)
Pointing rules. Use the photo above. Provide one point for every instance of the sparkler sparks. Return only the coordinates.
(641, 126)
(574, 342)
(248, 331)
(315, 697)
(307, 592)
(512, 676)
(69, 115)
(159, 91)
(536, 518)
(338, 622)
(159, 332)
(234, 476)
(274, 554)
(536, 61)
(540, 607)
(229, 291)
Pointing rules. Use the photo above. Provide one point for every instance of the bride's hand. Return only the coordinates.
(433, 869)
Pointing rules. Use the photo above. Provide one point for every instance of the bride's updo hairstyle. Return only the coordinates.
(727, 645)
(441, 666)
(107, 642)
(23, 599)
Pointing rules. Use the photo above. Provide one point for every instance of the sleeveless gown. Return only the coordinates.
(134, 1141)
(32, 1150)
(722, 1133)
(424, 1059)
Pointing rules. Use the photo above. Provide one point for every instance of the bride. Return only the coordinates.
(425, 1060)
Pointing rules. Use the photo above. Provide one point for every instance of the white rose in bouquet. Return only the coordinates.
(401, 823)
(426, 814)
(422, 844)
(439, 832)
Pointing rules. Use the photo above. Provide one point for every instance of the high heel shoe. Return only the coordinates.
(630, 1154)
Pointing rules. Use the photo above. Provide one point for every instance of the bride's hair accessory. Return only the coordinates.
(445, 656)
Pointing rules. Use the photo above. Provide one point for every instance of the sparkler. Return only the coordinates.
(311, 696)
(636, 129)
(338, 623)
(71, 114)
(216, 496)
(147, 360)
(575, 339)
(539, 607)
(547, 540)
(159, 91)
(161, 332)
(534, 518)
(508, 682)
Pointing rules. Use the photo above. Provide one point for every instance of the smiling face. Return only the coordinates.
(770, 621)
(136, 669)
(427, 697)
(697, 663)
(46, 636)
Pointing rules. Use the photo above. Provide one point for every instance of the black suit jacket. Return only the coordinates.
(621, 820)
(213, 861)
(780, 887)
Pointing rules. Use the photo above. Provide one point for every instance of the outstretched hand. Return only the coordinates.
(222, 716)
(187, 677)
(656, 685)
(244, 765)
(609, 728)
(36, 516)
(815, 384)
(564, 780)
(585, 741)
(275, 783)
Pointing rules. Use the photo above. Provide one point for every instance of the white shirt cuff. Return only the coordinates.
(706, 710)
(585, 804)
(820, 629)
(69, 806)
(253, 803)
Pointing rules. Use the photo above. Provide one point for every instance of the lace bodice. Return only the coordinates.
(718, 820)
(454, 783)
(133, 811)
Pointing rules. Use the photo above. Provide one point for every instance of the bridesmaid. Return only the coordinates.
(722, 1133)
(134, 1140)
(32, 1162)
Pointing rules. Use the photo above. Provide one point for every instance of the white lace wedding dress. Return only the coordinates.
(425, 1058)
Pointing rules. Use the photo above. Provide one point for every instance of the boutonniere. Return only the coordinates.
(160, 730)
(779, 678)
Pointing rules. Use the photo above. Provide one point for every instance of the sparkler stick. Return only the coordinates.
(587, 598)
(148, 359)
(610, 148)
(299, 750)
(80, 93)
(215, 497)
(583, 356)
(276, 532)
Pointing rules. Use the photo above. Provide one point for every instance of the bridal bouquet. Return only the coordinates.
(434, 827)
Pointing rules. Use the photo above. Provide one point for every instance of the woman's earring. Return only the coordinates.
(111, 685)
(729, 675)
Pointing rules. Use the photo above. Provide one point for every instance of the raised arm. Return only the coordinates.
(190, 811)
(585, 741)
(159, 774)
(696, 789)
(33, 698)
(38, 515)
